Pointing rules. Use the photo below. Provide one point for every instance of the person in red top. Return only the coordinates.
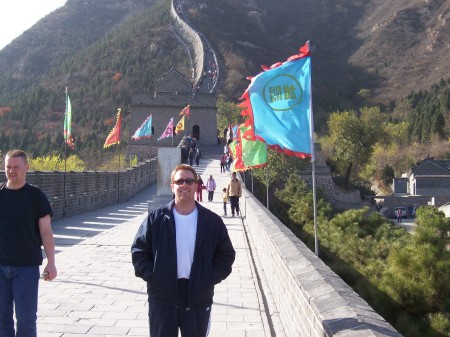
(199, 188)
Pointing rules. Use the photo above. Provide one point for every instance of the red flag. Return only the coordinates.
(186, 111)
(114, 136)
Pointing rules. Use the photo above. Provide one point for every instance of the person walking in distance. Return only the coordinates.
(234, 192)
(191, 156)
(182, 251)
(210, 187)
(25, 225)
(198, 155)
(200, 187)
(222, 163)
(225, 200)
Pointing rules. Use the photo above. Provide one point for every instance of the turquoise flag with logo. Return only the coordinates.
(278, 104)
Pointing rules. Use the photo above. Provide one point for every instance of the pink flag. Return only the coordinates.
(168, 132)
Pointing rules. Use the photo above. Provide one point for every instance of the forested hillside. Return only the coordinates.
(364, 53)
(100, 50)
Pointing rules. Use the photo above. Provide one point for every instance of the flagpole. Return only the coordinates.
(313, 162)
(118, 178)
(267, 187)
(65, 154)
(64, 181)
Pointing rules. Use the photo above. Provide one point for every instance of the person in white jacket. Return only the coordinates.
(210, 187)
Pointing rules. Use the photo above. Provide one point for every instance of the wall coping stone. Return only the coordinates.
(335, 308)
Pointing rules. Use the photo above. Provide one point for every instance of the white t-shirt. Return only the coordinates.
(186, 231)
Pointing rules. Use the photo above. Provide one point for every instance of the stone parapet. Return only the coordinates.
(310, 299)
(85, 191)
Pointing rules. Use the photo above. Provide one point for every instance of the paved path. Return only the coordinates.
(97, 294)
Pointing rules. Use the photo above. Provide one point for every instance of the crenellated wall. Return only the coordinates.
(85, 191)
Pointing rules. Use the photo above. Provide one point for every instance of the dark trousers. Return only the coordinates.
(234, 203)
(210, 195)
(192, 322)
(19, 293)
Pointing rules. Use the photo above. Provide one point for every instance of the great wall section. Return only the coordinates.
(306, 297)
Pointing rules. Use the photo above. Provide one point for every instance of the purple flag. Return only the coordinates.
(168, 132)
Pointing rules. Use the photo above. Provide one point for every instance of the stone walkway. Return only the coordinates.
(96, 293)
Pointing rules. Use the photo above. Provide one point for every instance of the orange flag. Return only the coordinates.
(186, 111)
(114, 136)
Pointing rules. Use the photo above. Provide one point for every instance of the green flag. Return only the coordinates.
(254, 153)
(68, 122)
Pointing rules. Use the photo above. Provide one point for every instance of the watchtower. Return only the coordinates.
(171, 94)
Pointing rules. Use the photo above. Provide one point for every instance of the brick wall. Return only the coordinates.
(87, 191)
(310, 299)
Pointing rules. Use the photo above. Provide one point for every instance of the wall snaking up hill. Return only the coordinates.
(193, 40)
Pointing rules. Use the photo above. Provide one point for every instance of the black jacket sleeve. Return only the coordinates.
(224, 256)
(142, 253)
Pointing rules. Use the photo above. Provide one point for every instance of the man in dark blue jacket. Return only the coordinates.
(182, 251)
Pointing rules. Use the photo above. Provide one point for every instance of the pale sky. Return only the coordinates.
(16, 16)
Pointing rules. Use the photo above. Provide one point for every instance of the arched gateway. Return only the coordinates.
(171, 94)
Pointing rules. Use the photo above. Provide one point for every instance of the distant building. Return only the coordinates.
(427, 183)
(400, 185)
(430, 177)
(171, 94)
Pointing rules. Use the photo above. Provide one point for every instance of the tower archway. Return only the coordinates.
(196, 132)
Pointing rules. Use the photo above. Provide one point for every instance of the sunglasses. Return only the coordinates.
(188, 181)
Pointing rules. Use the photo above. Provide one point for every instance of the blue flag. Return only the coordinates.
(278, 104)
(145, 130)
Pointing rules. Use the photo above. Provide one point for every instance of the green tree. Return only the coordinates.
(418, 271)
(352, 138)
(228, 113)
(56, 163)
(279, 167)
(439, 125)
(387, 174)
(297, 197)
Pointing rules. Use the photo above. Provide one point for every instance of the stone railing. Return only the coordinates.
(309, 299)
(85, 191)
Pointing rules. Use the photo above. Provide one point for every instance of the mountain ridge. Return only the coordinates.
(105, 49)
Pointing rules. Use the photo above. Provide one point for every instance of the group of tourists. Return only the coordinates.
(190, 152)
(231, 193)
(180, 288)
(226, 160)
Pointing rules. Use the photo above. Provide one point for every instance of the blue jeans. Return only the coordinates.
(19, 292)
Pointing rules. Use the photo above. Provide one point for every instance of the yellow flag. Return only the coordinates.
(180, 125)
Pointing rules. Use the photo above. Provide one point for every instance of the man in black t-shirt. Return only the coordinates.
(24, 226)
